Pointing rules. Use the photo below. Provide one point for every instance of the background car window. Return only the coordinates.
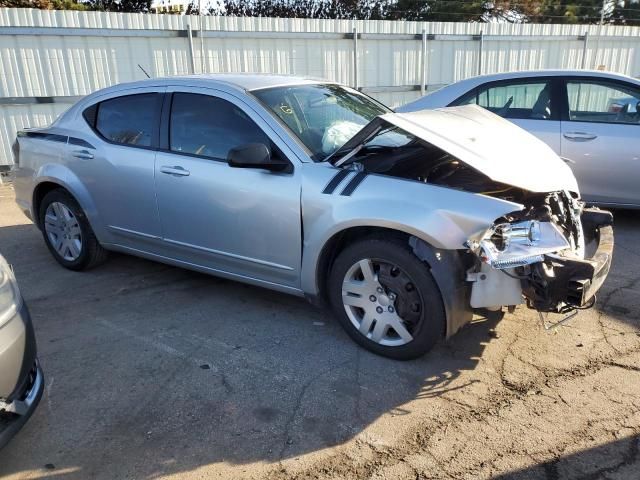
(518, 100)
(210, 126)
(128, 120)
(594, 101)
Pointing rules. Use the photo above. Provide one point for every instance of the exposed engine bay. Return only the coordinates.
(552, 255)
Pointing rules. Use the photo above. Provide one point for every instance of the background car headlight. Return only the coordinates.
(509, 245)
(10, 298)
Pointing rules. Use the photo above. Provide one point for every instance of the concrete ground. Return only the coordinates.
(157, 372)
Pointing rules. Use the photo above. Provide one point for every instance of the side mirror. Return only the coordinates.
(255, 155)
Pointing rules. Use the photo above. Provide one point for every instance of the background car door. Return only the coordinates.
(601, 136)
(530, 103)
(238, 220)
(116, 164)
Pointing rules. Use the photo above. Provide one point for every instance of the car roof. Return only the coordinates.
(449, 93)
(235, 81)
(549, 73)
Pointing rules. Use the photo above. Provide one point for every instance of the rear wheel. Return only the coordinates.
(67, 232)
(386, 298)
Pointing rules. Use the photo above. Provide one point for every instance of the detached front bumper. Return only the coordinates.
(562, 283)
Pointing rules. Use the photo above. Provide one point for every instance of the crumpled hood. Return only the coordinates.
(492, 145)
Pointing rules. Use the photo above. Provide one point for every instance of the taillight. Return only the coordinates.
(15, 148)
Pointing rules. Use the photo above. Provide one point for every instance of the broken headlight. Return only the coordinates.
(10, 299)
(509, 245)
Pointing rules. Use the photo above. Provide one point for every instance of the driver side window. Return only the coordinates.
(603, 102)
(209, 126)
(530, 100)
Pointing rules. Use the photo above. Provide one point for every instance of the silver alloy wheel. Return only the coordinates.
(372, 307)
(63, 231)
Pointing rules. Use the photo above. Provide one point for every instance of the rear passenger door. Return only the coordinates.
(530, 103)
(116, 164)
(601, 137)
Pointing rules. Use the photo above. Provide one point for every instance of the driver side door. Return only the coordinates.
(244, 222)
(531, 103)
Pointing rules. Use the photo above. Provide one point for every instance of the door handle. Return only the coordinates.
(580, 136)
(86, 154)
(176, 170)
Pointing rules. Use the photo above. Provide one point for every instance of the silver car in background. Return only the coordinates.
(21, 379)
(589, 118)
(403, 223)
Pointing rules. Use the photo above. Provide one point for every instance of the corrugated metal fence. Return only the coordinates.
(50, 58)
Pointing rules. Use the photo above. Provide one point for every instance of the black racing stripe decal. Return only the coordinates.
(353, 184)
(52, 137)
(335, 181)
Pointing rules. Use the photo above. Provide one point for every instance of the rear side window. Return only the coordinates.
(513, 100)
(129, 120)
(209, 126)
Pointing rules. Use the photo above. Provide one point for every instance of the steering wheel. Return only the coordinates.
(621, 116)
(505, 108)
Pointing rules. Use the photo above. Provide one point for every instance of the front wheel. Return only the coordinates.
(386, 298)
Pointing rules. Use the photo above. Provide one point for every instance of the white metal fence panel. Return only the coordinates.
(66, 54)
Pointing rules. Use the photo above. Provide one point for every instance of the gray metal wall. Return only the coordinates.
(50, 58)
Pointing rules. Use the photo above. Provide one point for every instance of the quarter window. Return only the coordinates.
(516, 100)
(596, 101)
(129, 120)
(209, 126)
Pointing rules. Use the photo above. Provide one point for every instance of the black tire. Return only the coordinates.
(426, 331)
(92, 253)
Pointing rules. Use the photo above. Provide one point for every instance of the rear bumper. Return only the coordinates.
(563, 283)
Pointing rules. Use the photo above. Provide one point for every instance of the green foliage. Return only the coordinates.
(518, 11)
(44, 4)
(142, 6)
(617, 12)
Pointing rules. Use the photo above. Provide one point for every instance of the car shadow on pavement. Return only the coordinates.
(153, 370)
(617, 459)
(617, 297)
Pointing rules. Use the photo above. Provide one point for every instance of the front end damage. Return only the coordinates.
(552, 255)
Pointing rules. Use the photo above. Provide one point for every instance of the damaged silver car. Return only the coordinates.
(404, 224)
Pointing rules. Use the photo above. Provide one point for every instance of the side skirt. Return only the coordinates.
(202, 269)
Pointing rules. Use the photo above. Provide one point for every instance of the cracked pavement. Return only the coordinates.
(157, 372)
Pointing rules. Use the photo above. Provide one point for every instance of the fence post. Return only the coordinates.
(202, 62)
(423, 73)
(191, 57)
(355, 57)
(480, 48)
(585, 45)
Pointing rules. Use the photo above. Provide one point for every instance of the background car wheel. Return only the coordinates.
(67, 232)
(386, 298)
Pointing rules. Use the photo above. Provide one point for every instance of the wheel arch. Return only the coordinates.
(56, 176)
(448, 268)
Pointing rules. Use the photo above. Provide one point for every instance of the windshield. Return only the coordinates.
(323, 117)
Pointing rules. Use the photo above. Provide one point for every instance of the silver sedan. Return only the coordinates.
(405, 224)
(590, 118)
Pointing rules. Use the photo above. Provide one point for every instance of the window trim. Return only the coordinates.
(155, 132)
(165, 130)
(566, 116)
(556, 94)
